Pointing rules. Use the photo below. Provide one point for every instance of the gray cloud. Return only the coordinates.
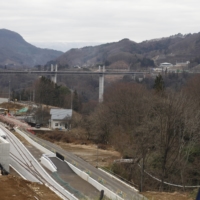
(98, 20)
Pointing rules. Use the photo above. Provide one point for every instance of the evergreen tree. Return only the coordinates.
(76, 102)
(50, 93)
(159, 85)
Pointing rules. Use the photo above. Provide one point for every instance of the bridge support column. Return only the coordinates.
(133, 76)
(54, 69)
(101, 83)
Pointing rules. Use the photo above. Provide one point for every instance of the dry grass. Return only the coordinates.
(167, 196)
(11, 105)
(76, 142)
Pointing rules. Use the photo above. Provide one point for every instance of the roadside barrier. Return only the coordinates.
(48, 163)
(38, 146)
(112, 176)
(17, 172)
(96, 184)
(61, 157)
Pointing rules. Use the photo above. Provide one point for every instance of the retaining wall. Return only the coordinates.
(38, 146)
(112, 176)
(48, 163)
(96, 184)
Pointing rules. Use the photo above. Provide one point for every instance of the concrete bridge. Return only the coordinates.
(54, 73)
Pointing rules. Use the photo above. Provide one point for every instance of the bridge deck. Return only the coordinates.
(75, 72)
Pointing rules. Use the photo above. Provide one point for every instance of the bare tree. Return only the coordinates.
(101, 124)
(172, 120)
(158, 131)
(129, 107)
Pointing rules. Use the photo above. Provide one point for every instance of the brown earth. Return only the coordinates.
(92, 154)
(11, 105)
(18, 188)
(167, 196)
(13, 187)
(101, 155)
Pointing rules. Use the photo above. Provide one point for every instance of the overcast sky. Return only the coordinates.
(99, 20)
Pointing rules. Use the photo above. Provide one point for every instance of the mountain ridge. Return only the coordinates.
(173, 48)
(15, 51)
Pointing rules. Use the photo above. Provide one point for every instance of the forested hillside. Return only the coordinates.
(16, 52)
(129, 54)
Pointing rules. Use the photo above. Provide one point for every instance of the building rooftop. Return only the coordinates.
(60, 114)
(165, 63)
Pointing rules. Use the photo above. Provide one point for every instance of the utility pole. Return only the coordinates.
(71, 98)
(97, 157)
(9, 91)
(33, 95)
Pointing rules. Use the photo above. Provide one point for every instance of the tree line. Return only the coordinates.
(158, 128)
(45, 91)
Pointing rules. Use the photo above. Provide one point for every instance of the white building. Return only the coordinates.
(157, 69)
(2, 100)
(182, 64)
(165, 65)
(60, 118)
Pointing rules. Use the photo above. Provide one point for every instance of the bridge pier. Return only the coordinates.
(54, 72)
(101, 83)
(54, 69)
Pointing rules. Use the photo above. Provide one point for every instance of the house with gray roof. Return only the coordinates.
(60, 118)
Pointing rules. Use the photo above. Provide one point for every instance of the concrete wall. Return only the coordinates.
(111, 195)
(113, 177)
(48, 163)
(38, 146)
(4, 154)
